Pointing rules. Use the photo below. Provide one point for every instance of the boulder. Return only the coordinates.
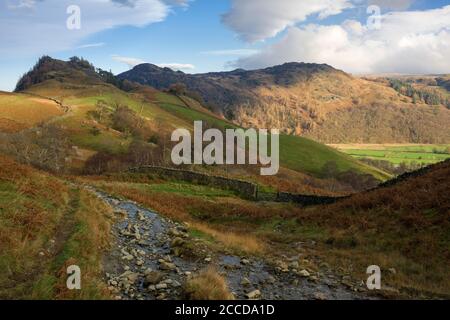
(304, 273)
(164, 265)
(320, 296)
(130, 276)
(254, 295)
(245, 282)
(153, 277)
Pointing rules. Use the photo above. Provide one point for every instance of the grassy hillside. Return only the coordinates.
(311, 100)
(171, 112)
(90, 125)
(45, 226)
(22, 111)
(405, 227)
(296, 153)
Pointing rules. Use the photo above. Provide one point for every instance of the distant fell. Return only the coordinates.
(312, 100)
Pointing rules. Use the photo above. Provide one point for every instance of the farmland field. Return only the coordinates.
(398, 153)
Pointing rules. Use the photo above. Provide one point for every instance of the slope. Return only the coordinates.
(402, 226)
(46, 225)
(296, 153)
(157, 113)
(315, 101)
(22, 111)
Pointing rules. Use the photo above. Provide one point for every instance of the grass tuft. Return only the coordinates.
(207, 285)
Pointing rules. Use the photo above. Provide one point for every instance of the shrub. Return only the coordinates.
(127, 121)
(207, 285)
(45, 147)
(95, 131)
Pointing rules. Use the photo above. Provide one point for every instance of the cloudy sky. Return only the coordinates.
(358, 36)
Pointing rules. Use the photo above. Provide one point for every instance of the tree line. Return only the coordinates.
(427, 96)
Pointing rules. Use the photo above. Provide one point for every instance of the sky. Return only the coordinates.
(197, 36)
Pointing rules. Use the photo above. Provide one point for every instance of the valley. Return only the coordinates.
(68, 196)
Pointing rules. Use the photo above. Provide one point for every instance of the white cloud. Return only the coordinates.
(91, 45)
(407, 42)
(132, 62)
(18, 4)
(177, 66)
(256, 20)
(39, 26)
(232, 52)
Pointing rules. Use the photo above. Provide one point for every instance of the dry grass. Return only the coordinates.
(207, 285)
(85, 248)
(20, 111)
(406, 227)
(44, 227)
(31, 207)
(232, 240)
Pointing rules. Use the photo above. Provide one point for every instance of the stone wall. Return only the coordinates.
(246, 189)
(306, 200)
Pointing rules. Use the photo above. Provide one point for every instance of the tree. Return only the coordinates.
(178, 89)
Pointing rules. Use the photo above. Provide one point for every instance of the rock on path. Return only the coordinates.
(153, 257)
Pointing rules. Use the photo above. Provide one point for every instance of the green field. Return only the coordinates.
(398, 154)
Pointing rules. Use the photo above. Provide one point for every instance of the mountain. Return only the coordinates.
(311, 100)
(113, 124)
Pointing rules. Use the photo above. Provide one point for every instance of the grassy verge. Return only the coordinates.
(84, 247)
(46, 226)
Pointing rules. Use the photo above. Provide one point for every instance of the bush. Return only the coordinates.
(95, 131)
(178, 89)
(208, 285)
(45, 147)
(140, 153)
(103, 162)
(127, 121)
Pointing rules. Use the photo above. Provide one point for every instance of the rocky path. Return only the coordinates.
(153, 257)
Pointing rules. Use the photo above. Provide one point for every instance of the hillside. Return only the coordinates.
(315, 101)
(46, 225)
(404, 225)
(22, 111)
(109, 121)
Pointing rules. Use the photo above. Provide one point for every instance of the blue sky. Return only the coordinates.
(213, 35)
